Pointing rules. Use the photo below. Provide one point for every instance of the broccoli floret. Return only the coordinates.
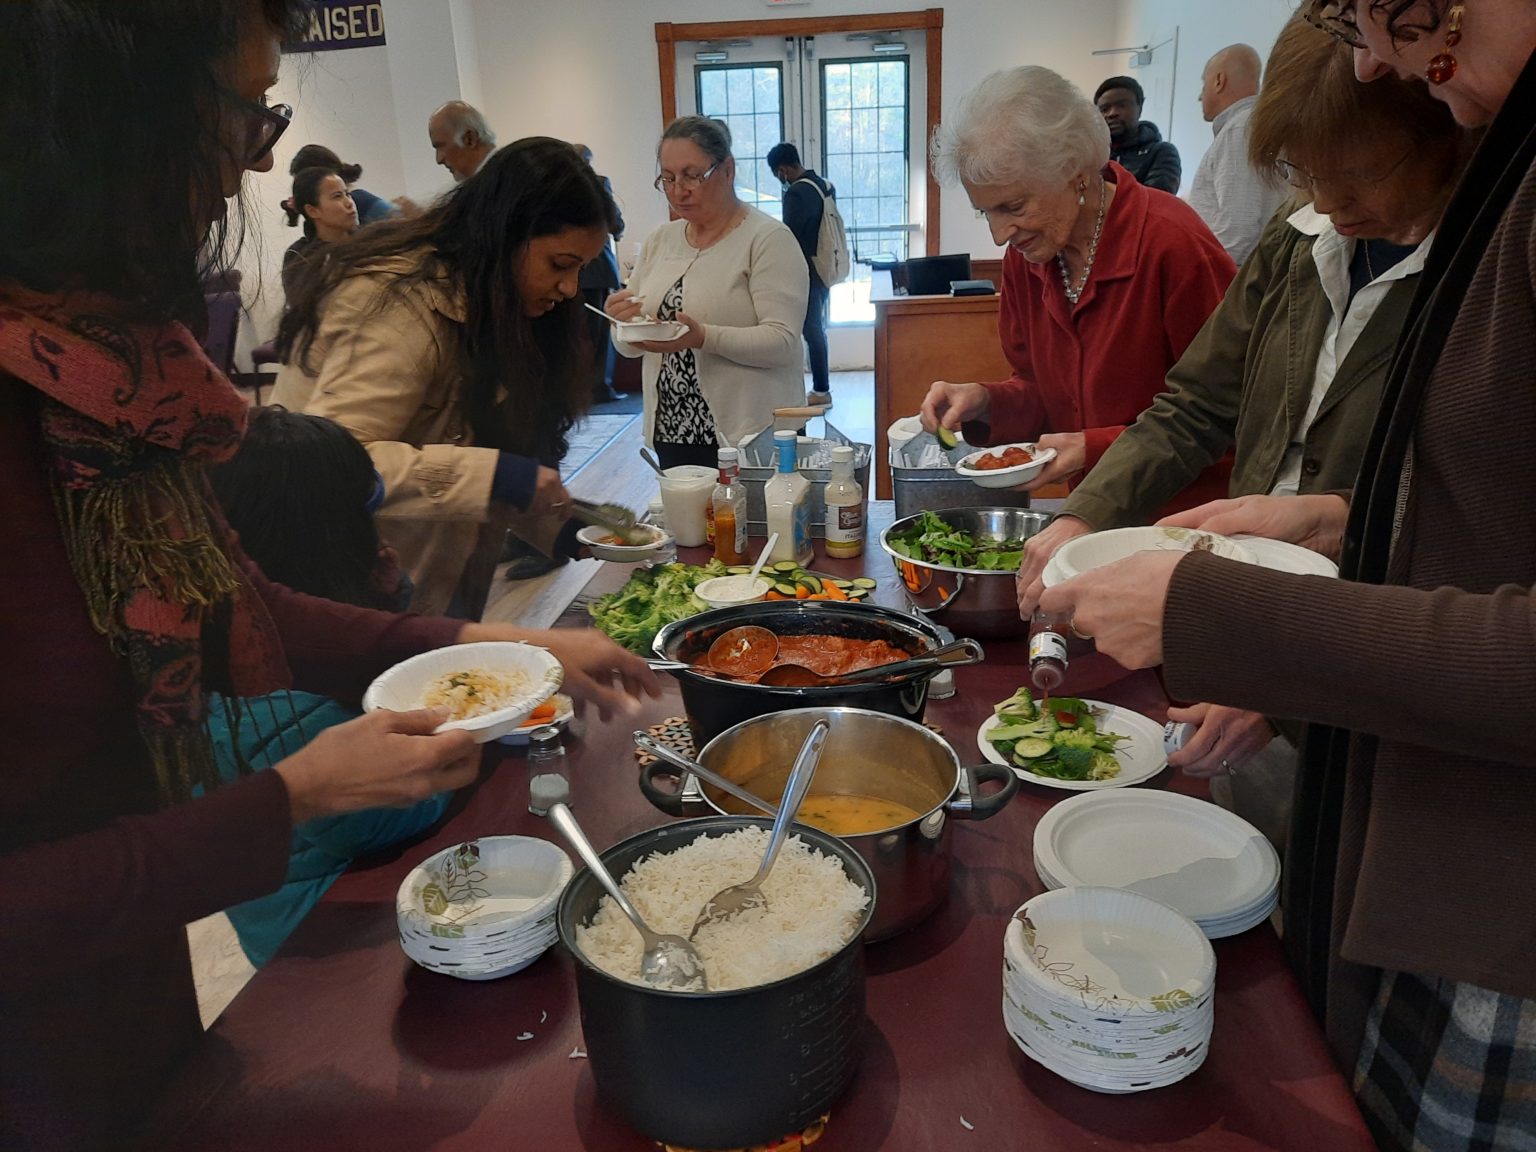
(1105, 766)
(1019, 706)
(1074, 763)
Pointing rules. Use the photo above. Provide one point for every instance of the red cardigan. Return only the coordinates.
(1158, 274)
(96, 883)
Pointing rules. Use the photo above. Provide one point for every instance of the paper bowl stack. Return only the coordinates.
(1108, 989)
(1197, 858)
(484, 908)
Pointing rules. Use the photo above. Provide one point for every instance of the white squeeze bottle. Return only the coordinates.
(845, 507)
(788, 497)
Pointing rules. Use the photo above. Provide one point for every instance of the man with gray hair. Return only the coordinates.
(461, 139)
(1233, 199)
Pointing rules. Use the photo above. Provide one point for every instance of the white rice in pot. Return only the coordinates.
(813, 910)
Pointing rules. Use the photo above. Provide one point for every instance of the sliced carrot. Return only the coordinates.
(831, 591)
(545, 711)
(775, 594)
(802, 592)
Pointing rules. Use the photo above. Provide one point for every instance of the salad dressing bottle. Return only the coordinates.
(1048, 651)
(788, 497)
(728, 511)
(845, 507)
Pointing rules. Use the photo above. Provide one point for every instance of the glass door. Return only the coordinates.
(854, 107)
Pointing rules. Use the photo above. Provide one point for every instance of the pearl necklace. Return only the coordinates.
(1093, 248)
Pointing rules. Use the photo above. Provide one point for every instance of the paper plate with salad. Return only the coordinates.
(1070, 743)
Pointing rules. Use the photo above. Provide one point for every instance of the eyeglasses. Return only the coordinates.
(1335, 17)
(669, 184)
(264, 126)
(1298, 177)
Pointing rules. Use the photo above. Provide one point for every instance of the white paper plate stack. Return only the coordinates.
(1108, 989)
(484, 908)
(1197, 858)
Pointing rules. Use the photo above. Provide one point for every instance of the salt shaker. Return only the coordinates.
(547, 779)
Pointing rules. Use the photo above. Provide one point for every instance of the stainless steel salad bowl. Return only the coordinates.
(981, 602)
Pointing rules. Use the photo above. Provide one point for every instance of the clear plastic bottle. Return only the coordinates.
(728, 511)
(657, 517)
(1048, 650)
(844, 501)
(788, 498)
(548, 781)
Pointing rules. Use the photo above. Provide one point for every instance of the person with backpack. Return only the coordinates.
(810, 212)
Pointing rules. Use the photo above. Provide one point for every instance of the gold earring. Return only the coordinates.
(1443, 66)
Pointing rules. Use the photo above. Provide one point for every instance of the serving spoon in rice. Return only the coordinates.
(668, 962)
(738, 898)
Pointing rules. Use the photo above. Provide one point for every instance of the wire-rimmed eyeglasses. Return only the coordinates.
(669, 184)
(1298, 177)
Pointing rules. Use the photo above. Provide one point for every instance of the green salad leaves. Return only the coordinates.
(933, 541)
(649, 601)
(1062, 741)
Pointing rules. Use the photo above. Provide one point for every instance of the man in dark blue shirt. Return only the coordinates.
(803, 190)
(1134, 143)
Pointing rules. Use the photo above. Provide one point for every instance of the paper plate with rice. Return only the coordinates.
(490, 688)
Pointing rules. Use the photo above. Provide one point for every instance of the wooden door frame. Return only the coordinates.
(930, 21)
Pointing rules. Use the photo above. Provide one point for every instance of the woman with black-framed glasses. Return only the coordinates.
(736, 278)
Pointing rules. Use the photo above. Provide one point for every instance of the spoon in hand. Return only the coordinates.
(669, 962)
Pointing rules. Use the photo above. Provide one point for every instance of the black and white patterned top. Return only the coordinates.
(682, 416)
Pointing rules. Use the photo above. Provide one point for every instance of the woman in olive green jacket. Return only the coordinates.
(1288, 370)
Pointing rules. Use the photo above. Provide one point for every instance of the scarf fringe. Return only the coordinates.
(121, 539)
(183, 759)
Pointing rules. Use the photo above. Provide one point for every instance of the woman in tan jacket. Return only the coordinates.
(449, 345)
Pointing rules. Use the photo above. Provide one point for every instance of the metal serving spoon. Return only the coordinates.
(953, 655)
(659, 750)
(669, 962)
(738, 898)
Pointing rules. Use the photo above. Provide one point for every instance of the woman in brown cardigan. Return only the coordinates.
(1411, 882)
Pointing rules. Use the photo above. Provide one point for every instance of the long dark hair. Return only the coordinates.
(306, 194)
(475, 235)
(111, 115)
(297, 493)
(319, 156)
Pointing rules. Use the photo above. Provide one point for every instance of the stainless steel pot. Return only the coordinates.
(719, 1069)
(970, 601)
(713, 705)
(867, 754)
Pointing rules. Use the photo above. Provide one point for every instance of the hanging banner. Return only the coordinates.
(336, 24)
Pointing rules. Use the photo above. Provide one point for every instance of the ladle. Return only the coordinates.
(738, 898)
(745, 649)
(953, 655)
(669, 962)
(683, 763)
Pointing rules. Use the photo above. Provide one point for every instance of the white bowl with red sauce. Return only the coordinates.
(978, 469)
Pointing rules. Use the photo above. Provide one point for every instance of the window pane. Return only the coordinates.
(767, 132)
(893, 130)
(893, 81)
(739, 90)
(836, 79)
(838, 133)
(893, 174)
(765, 85)
(711, 90)
(865, 130)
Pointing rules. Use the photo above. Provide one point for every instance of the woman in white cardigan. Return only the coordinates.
(737, 278)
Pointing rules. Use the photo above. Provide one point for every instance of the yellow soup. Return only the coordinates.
(853, 815)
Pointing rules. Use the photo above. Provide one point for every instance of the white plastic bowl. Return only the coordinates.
(1004, 477)
(728, 591)
(1097, 549)
(403, 687)
(594, 536)
(634, 331)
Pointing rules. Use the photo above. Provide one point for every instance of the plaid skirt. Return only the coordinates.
(1448, 1067)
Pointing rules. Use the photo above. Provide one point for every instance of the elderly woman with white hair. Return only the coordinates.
(1105, 282)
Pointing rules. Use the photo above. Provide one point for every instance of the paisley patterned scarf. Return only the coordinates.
(130, 415)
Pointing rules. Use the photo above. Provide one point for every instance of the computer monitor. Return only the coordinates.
(931, 275)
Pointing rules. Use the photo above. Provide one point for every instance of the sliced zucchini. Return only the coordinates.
(946, 437)
(858, 593)
(785, 590)
(739, 570)
(811, 582)
(1032, 748)
(863, 582)
(788, 567)
(843, 584)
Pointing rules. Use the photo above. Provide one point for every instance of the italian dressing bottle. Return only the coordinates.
(788, 497)
(845, 507)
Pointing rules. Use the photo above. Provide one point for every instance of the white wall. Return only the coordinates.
(587, 70)
(1205, 27)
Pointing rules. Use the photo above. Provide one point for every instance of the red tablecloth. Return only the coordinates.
(342, 1043)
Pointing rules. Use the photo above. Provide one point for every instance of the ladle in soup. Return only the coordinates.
(743, 651)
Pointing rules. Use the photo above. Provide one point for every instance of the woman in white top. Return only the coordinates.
(738, 280)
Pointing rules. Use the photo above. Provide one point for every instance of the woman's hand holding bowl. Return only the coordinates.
(1038, 550)
(1314, 521)
(1071, 457)
(592, 664)
(693, 338)
(1120, 606)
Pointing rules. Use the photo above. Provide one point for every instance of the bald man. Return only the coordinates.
(1234, 200)
(461, 138)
